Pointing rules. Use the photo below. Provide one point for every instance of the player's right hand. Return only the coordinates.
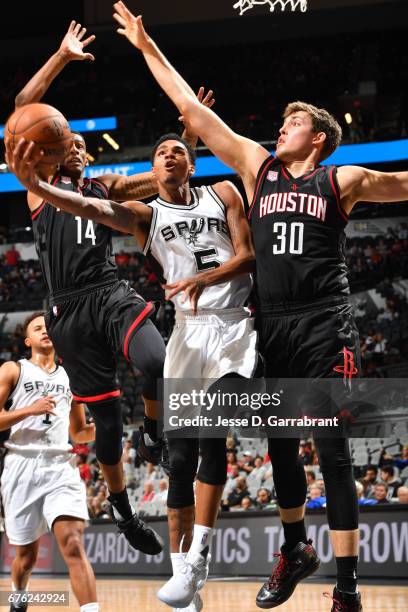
(72, 46)
(131, 26)
(22, 161)
(44, 405)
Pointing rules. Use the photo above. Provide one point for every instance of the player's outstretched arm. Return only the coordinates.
(80, 431)
(71, 48)
(9, 374)
(241, 154)
(243, 262)
(359, 184)
(129, 217)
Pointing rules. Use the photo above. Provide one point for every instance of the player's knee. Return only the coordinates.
(26, 559)
(335, 459)
(72, 547)
(180, 494)
(213, 466)
(109, 430)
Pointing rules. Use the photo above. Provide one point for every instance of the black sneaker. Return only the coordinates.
(345, 602)
(21, 608)
(153, 452)
(138, 534)
(293, 567)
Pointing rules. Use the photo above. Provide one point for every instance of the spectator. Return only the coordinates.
(231, 459)
(387, 476)
(370, 479)
(161, 495)
(247, 463)
(403, 495)
(12, 256)
(316, 499)
(380, 493)
(148, 494)
(128, 459)
(263, 498)
(305, 453)
(310, 477)
(363, 501)
(259, 469)
(238, 492)
(247, 504)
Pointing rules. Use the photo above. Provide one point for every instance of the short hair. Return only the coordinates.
(322, 121)
(381, 484)
(373, 468)
(173, 136)
(388, 469)
(312, 474)
(30, 319)
(78, 134)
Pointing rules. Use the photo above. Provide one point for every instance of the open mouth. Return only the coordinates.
(170, 165)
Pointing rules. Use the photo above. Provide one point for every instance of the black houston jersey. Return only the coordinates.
(298, 231)
(73, 252)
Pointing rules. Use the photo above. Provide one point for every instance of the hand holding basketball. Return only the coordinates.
(23, 161)
(131, 26)
(72, 45)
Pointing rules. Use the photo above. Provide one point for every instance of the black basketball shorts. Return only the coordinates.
(87, 329)
(311, 340)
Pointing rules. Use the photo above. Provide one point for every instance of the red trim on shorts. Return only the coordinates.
(259, 184)
(39, 208)
(97, 398)
(336, 193)
(136, 322)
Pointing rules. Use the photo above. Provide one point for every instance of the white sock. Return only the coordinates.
(90, 607)
(201, 538)
(177, 561)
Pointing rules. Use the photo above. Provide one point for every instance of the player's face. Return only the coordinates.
(76, 160)
(297, 138)
(37, 337)
(172, 165)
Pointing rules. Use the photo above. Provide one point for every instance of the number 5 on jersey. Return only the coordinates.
(89, 231)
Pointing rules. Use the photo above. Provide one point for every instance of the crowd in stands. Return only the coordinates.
(249, 479)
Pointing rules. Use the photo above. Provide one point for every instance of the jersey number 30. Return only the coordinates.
(89, 231)
(294, 237)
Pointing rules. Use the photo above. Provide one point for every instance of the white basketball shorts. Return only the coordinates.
(37, 490)
(211, 345)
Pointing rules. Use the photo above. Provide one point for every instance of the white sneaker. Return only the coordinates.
(202, 579)
(195, 606)
(179, 591)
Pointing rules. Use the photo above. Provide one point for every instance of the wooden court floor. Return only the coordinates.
(117, 595)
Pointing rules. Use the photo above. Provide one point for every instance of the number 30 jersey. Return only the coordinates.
(74, 253)
(298, 231)
(45, 432)
(186, 239)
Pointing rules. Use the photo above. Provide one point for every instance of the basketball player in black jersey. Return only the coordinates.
(92, 314)
(298, 214)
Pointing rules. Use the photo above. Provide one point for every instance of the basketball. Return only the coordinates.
(44, 125)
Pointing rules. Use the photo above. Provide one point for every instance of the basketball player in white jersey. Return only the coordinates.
(41, 490)
(200, 234)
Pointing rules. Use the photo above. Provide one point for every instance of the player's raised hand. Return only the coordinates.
(131, 26)
(192, 289)
(72, 46)
(207, 101)
(44, 405)
(23, 161)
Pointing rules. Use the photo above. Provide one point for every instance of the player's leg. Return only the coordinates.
(69, 533)
(147, 351)
(183, 462)
(327, 333)
(21, 568)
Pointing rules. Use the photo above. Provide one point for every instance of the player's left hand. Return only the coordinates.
(191, 288)
(23, 161)
(130, 26)
(72, 45)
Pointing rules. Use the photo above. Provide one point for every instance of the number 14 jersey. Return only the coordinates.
(74, 253)
(186, 239)
(298, 231)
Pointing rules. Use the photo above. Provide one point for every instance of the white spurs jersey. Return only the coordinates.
(188, 239)
(45, 432)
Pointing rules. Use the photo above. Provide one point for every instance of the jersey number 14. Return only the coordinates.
(89, 231)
